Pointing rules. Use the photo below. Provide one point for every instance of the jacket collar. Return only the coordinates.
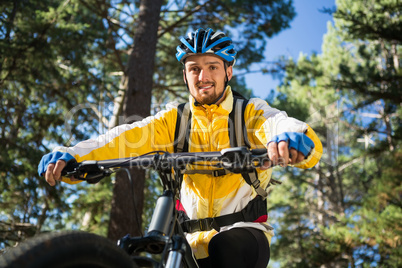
(226, 104)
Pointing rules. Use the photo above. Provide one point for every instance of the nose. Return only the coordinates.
(203, 76)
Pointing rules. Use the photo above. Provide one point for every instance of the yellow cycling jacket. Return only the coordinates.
(202, 195)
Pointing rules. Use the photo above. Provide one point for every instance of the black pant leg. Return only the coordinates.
(238, 247)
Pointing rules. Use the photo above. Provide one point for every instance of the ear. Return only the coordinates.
(184, 76)
(229, 72)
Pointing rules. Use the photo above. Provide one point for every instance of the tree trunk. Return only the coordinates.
(124, 218)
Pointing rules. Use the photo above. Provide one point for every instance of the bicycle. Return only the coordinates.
(165, 236)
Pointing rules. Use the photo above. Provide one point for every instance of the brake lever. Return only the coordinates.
(241, 159)
(233, 153)
(89, 171)
(259, 157)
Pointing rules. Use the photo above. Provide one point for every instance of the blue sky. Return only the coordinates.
(305, 35)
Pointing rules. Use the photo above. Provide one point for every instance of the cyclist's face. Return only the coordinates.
(206, 77)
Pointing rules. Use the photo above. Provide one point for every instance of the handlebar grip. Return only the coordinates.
(89, 171)
(259, 151)
(70, 168)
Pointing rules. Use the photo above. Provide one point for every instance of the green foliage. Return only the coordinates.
(153, 189)
(91, 207)
(347, 210)
(249, 24)
(44, 73)
(62, 69)
(373, 228)
(369, 19)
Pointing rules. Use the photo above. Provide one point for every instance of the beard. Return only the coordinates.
(207, 97)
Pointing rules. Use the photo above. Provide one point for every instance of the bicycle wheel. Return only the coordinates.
(66, 249)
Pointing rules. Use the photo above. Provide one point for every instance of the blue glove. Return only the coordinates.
(52, 158)
(298, 141)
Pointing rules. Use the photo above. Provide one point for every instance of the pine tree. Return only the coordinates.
(47, 61)
(347, 210)
(64, 77)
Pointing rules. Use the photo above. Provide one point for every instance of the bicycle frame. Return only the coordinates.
(159, 239)
(165, 235)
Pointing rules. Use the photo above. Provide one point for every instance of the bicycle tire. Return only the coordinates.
(66, 249)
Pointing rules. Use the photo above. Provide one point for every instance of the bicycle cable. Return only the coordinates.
(133, 196)
(132, 185)
(139, 156)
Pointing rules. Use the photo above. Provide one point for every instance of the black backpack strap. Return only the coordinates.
(237, 126)
(213, 172)
(243, 124)
(237, 136)
(237, 95)
(183, 126)
(252, 179)
(255, 210)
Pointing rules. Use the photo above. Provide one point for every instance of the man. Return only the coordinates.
(208, 58)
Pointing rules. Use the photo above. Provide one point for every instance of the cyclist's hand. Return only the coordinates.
(288, 148)
(52, 164)
(53, 172)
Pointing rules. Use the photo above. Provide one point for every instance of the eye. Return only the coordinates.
(213, 67)
(194, 69)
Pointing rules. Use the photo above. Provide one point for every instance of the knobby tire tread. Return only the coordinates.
(66, 249)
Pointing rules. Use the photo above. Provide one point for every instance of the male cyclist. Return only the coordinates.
(208, 58)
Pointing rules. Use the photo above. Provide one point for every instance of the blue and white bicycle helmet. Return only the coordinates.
(206, 41)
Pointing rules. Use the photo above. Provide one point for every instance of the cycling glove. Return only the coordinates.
(295, 140)
(52, 158)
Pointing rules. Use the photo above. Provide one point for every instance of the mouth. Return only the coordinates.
(205, 87)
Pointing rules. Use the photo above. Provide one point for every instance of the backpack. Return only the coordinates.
(237, 137)
(237, 133)
(256, 209)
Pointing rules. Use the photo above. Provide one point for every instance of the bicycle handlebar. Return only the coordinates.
(237, 160)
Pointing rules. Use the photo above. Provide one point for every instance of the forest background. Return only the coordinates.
(72, 69)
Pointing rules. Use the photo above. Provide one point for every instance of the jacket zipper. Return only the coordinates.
(212, 185)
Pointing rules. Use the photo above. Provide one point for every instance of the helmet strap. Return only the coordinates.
(185, 78)
(225, 86)
(226, 75)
